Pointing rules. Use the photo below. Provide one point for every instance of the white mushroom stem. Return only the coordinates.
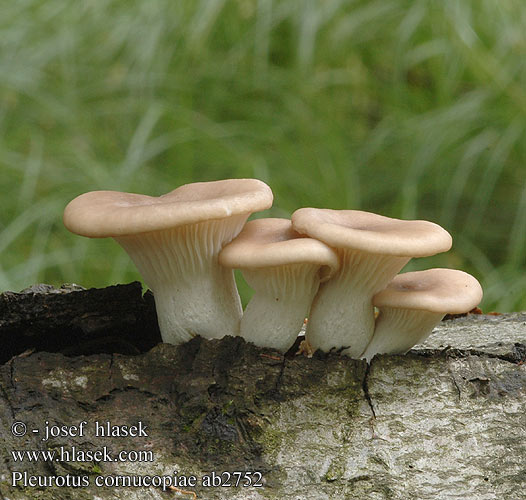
(281, 302)
(342, 314)
(194, 295)
(397, 330)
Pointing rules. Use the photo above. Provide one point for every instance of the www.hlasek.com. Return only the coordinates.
(73, 453)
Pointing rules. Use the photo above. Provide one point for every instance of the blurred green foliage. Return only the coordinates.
(411, 109)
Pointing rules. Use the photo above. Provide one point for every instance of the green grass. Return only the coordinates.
(412, 109)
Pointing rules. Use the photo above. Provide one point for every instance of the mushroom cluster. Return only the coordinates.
(330, 266)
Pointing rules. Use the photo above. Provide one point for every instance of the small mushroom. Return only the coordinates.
(285, 270)
(372, 250)
(174, 240)
(414, 303)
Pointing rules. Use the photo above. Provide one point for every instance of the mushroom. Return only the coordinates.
(285, 270)
(372, 250)
(174, 240)
(414, 303)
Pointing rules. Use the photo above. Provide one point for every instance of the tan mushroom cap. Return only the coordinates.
(434, 290)
(100, 214)
(372, 233)
(272, 242)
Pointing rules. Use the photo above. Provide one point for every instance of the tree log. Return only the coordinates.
(73, 320)
(447, 420)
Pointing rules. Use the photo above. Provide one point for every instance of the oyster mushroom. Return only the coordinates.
(285, 270)
(174, 240)
(414, 303)
(372, 250)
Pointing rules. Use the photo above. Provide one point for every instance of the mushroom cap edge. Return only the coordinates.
(437, 290)
(272, 242)
(372, 233)
(100, 214)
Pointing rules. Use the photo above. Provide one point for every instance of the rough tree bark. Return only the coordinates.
(448, 420)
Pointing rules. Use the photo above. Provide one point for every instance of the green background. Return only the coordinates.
(410, 109)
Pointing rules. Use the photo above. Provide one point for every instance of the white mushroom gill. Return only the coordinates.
(282, 299)
(194, 295)
(397, 330)
(342, 314)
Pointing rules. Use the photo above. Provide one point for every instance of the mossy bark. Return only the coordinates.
(448, 420)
